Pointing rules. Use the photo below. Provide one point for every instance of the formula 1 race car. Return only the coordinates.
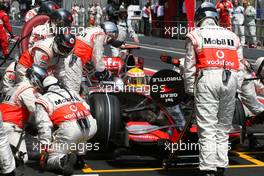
(132, 117)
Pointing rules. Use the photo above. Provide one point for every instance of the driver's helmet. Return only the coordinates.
(135, 77)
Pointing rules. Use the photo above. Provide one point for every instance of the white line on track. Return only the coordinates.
(159, 47)
(164, 50)
(84, 175)
(19, 27)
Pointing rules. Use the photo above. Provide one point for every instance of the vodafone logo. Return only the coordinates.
(220, 54)
(73, 108)
(72, 40)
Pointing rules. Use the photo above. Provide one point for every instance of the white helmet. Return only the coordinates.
(49, 81)
(259, 64)
(111, 31)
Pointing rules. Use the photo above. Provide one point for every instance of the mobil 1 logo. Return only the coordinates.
(167, 87)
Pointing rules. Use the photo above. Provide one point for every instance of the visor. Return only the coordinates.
(136, 81)
(64, 50)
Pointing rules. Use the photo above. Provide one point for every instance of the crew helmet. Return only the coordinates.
(61, 18)
(110, 30)
(64, 43)
(49, 81)
(206, 10)
(47, 8)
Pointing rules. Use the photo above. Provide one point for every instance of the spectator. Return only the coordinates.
(224, 9)
(250, 24)
(93, 11)
(124, 29)
(111, 11)
(238, 21)
(82, 15)
(23, 8)
(89, 11)
(160, 18)
(98, 15)
(154, 7)
(122, 6)
(146, 18)
(75, 14)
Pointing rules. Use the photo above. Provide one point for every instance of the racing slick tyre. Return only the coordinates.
(238, 124)
(105, 109)
(239, 115)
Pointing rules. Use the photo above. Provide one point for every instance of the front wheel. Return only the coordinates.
(105, 109)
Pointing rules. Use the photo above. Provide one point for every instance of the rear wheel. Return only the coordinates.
(239, 115)
(105, 109)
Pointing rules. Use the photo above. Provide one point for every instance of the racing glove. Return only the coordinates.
(103, 76)
(117, 43)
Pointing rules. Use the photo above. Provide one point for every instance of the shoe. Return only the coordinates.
(209, 173)
(220, 171)
(80, 163)
(67, 163)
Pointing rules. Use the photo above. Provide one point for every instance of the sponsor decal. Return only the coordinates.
(210, 41)
(60, 101)
(170, 87)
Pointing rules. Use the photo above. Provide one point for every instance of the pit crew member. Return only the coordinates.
(4, 26)
(7, 161)
(48, 53)
(250, 23)
(90, 47)
(238, 21)
(249, 89)
(125, 28)
(9, 78)
(61, 18)
(17, 106)
(34, 11)
(224, 8)
(212, 62)
(259, 85)
(67, 111)
(45, 30)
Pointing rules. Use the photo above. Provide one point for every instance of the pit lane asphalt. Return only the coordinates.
(241, 164)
